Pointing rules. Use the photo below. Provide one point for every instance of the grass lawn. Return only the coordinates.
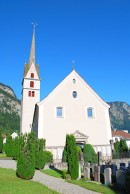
(83, 183)
(93, 186)
(56, 173)
(11, 184)
(4, 156)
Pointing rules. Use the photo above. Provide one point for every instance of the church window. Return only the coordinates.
(59, 112)
(74, 81)
(29, 93)
(33, 94)
(90, 112)
(32, 84)
(32, 75)
(74, 94)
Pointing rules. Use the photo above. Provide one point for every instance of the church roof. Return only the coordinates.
(32, 57)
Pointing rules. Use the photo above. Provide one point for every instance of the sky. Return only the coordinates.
(95, 34)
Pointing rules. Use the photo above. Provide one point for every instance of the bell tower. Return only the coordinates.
(30, 90)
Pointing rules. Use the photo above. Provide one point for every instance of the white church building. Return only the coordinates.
(73, 107)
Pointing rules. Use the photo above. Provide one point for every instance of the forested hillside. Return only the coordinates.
(9, 110)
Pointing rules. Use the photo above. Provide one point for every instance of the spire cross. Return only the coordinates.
(73, 64)
(34, 26)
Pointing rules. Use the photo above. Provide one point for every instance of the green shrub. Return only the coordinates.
(26, 160)
(72, 157)
(64, 155)
(9, 146)
(89, 154)
(1, 142)
(40, 160)
(48, 156)
(25, 166)
(42, 157)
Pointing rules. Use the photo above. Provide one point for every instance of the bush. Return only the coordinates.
(18, 144)
(9, 146)
(72, 157)
(26, 160)
(25, 166)
(1, 142)
(89, 154)
(48, 156)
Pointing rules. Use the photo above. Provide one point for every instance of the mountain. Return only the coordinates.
(9, 110)
(120, 115)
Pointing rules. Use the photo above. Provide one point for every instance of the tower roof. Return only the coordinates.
(32, 57)
(32, 50)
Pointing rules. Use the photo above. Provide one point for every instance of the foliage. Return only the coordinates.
(89, 154)
(72, 156)
(39, 155)
(26, 160)
(1, 142)
(11, 184)
(18, 144)
(48, 156)
(123, 146)
(9, 146)
(9, 118)
(120, 147)
(78, 150)
(64, 155)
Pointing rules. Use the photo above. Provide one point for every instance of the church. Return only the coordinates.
(73, 107)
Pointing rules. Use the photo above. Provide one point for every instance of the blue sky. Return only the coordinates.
(93, 33)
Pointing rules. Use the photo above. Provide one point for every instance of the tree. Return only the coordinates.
(123, 146)
(9, 146)
(26, 160)
(1, 142)
(89, 154)
(72, 157)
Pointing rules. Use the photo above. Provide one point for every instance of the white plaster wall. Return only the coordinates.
(54, 129)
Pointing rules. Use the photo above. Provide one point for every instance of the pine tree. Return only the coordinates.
(72, 157)
(26, 160)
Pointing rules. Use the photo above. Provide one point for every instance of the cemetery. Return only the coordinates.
(78, 166)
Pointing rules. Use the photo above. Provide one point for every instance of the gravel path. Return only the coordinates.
(57, 184)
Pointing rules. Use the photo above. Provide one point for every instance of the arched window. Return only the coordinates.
(29, 93)
(59, 112)
(32, 84)
(33, 94)
(32, 75)
(90, 112)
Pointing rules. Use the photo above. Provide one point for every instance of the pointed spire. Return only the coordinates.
(32, 50)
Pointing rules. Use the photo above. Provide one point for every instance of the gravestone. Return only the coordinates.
(79, 172)
(107, 176)
(120, 178)
(123, 164)
(97, 173)
(114, 169)
(93, 165)
(86, 172)
(102, 168)
(122, 168)
(129, 166)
